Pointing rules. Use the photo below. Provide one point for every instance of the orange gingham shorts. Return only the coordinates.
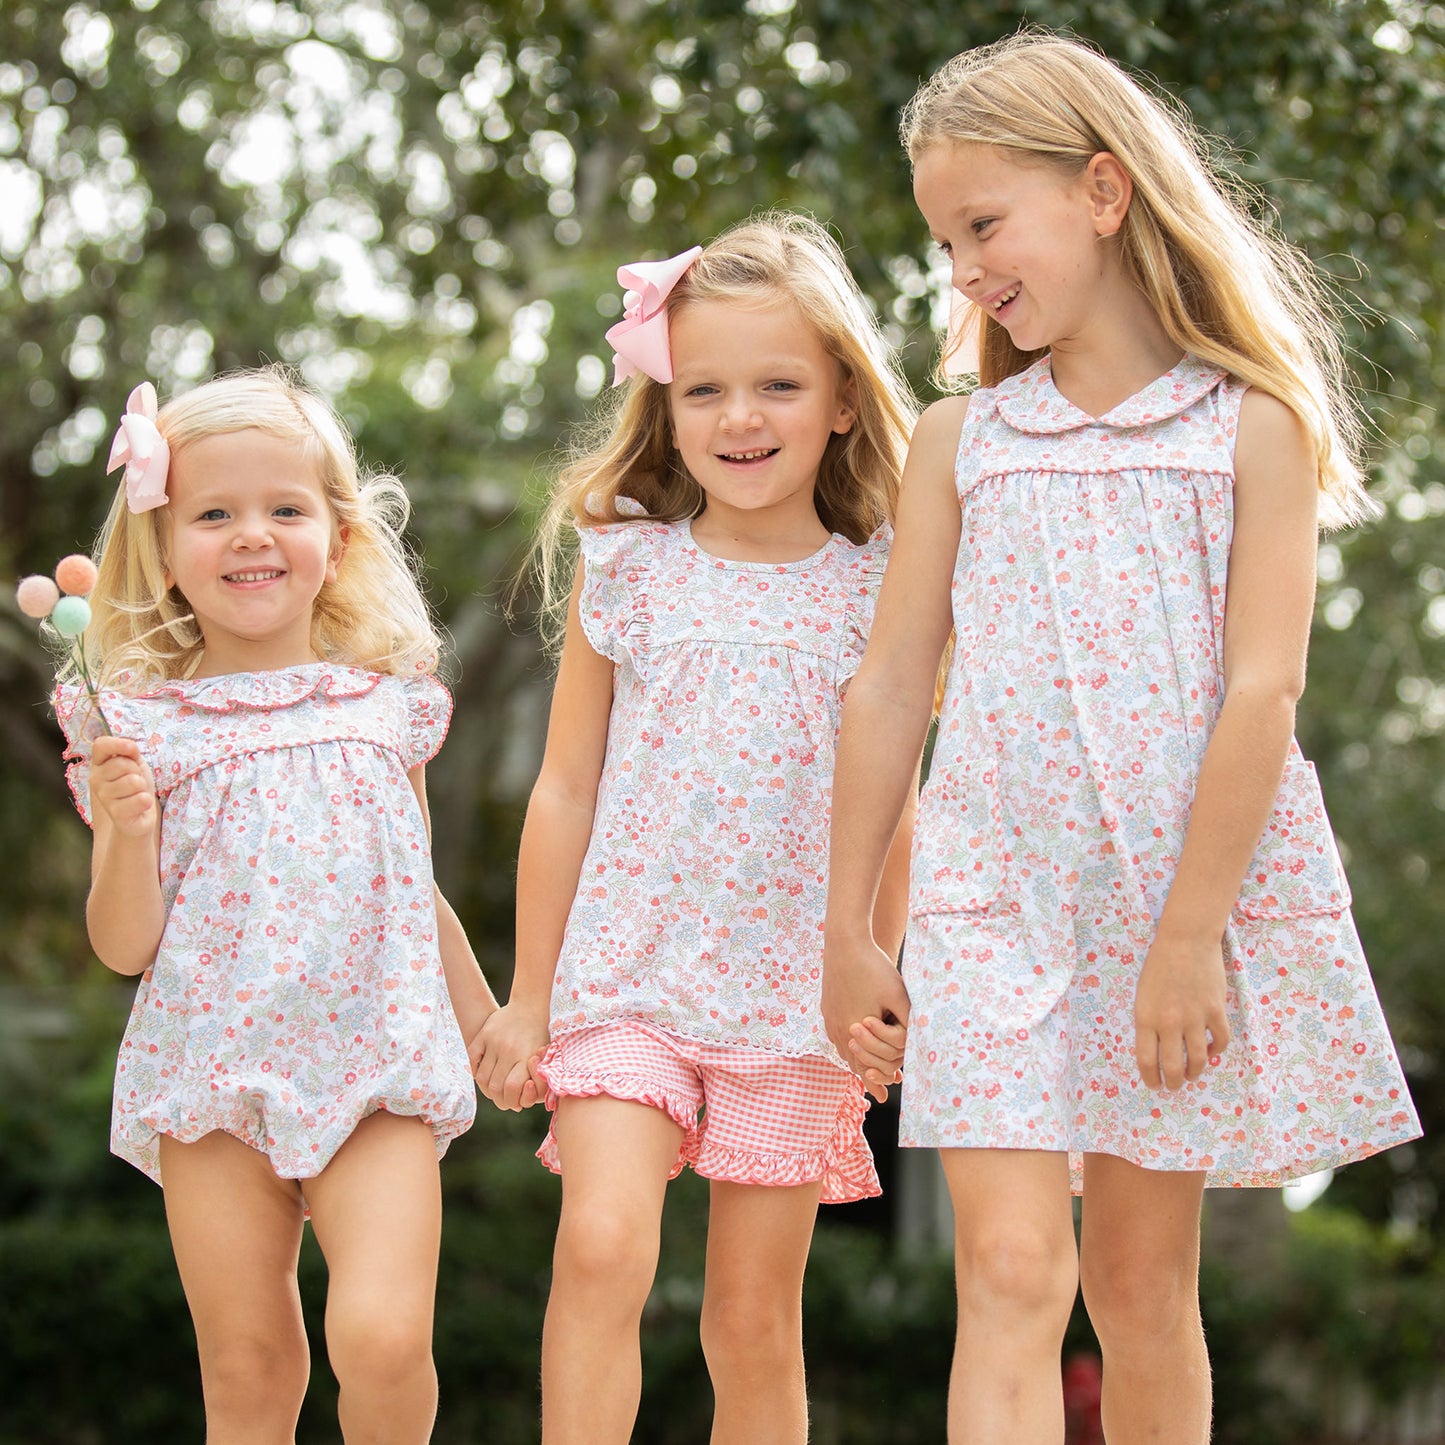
(765, 1118)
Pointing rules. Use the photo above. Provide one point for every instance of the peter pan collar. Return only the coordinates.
(1030, 402)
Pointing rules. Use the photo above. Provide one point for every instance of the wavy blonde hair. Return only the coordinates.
(373, 616)
(1225, 288)
(780, 257)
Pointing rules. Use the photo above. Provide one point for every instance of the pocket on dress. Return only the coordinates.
(958, 862)
(1295, 871)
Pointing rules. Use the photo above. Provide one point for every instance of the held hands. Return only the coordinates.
(1180, 1023)
(122, 786)
(506, 1053)
(865, 1011)
(876, 1052)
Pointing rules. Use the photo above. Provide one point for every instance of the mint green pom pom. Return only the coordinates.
(71, 616)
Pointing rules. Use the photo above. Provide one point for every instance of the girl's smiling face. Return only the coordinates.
(1029, 244)
(754, 399)
(250, 542)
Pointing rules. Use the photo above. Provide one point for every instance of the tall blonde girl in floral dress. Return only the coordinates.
(1130, 948)
(262, 861)
(733, 527)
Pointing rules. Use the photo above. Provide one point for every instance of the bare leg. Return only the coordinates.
(236, 1231)
(376, 1211)
(752, 1311)
(616, 1156)
(1140, 1265)
(1017, 1276)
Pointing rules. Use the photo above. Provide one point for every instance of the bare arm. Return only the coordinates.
(1269, 602)
(554, 840)
(890, 908)
(124, 914)
(875, 1046)
(472, 999)
(885, 721)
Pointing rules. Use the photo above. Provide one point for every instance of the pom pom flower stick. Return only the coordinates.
(37, 596)
(61, 603)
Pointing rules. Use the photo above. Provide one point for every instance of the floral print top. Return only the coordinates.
(700, 902)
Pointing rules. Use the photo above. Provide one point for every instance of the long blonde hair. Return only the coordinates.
(778, 256)
(1225, 288)
(372, 616)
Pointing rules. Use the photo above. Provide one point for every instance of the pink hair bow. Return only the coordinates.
(640, 338)
(143, 449)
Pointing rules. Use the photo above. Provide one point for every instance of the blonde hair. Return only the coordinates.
(373, 615)
(1225, 288)
(629, 453)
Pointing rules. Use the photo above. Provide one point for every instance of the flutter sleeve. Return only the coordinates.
(79, 720)
(615, 602)
(868, 567)
(428, 715)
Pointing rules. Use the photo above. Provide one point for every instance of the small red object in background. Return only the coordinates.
(1083, 1390)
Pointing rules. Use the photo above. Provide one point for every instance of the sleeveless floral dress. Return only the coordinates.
(1089, 604)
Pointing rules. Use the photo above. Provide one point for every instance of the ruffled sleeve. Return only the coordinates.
(80, 722)
(616, 601)
(867, 577)
(428, 715)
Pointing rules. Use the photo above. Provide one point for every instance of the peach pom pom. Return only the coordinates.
(36, 596)
(76, 574)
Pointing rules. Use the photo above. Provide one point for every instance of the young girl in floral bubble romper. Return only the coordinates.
(261, 859)
(1130, 957)
(733, 527)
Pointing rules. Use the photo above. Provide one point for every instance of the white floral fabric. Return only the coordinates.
(700, 902)
(298, 986)
(1088, 602)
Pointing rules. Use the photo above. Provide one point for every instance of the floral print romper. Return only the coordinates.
(298, 986)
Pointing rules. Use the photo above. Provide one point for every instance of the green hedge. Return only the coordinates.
(98, 1346)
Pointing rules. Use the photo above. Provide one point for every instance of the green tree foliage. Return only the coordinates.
(422, 206)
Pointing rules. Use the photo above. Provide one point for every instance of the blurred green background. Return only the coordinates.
(422, 207)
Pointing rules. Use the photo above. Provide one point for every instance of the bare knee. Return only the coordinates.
(252, 1377)
(1011, 1270)
(609, 1252)
(1136, 1297)
(376, 1349)
(744, 1335)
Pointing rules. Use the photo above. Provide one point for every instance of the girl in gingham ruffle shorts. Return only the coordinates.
(733, 528)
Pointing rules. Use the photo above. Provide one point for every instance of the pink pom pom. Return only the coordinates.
(36, 596)
(75, 574)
